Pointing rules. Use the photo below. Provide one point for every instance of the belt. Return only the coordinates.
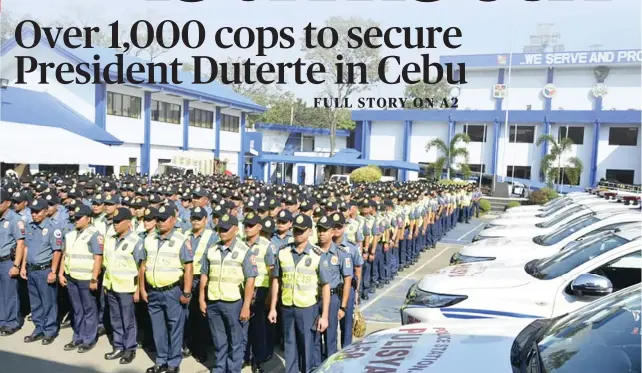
(165, 288)
(5, 258)
(38, 267)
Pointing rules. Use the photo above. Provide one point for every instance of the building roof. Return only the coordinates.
(42, 109)
(299, 129)
(214, 91)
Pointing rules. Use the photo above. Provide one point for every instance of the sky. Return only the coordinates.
(486, 27)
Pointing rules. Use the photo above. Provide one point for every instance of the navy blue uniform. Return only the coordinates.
(12, 230)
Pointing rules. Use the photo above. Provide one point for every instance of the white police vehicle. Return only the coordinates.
(532, 210)
(547, 244)
(602, 337)
(528, 227)
(541, 288)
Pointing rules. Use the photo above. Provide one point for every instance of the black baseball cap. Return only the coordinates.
(166, 212)
(150, 214)
(284, 215)
(302, 222)
(268, 225)
(121, 214)
(227, 221)
(82, 210)
(198, 213)
(325, 222)
(38, 204)
(338, 219)
(251, 218)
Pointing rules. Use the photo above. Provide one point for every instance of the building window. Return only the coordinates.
(576, 134)
(166, 112)
(521, 172)
(201, 118)
(627, 136)
(522, 134)
(620, 176)
(307, 143)
(230, 123)
(123, 105)
(477, 133)
(477, 167)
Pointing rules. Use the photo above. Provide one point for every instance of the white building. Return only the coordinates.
(592, 97)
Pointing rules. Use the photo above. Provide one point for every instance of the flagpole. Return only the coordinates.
(507, 97)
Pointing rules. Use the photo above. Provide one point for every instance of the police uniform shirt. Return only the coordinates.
(369, 226)
(12, 229)
(42, 240)
(322, 272)
(353, 252)
(61, 215)
(358, 232)
(186, 255)
(270, 253)
(210, 223)
(249, 262)
(95, 243)
(338, 263)
(196, 240)
(377, 226)
(138, 253)
(281, 242)
(25, 215)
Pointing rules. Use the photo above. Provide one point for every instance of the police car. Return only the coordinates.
(531, 227)
(532, 210)
(541, 288)
(545, 244)
(601, 337)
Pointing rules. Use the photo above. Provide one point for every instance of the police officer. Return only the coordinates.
(82, 260)
(261, 335)
(283, 234)
(298, 266)
(338, 262)
(12, 235)
(228, 272)
(123, 255)
(44, 243)
(167, 269)
(142, 313)
(200, 237)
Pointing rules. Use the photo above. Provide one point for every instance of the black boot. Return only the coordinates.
(128, 357)
(116, 354)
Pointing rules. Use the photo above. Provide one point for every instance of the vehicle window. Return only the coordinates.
(561, 216)
(605, 228)
(603, 337)
(556, 209)
(567, 260)
(556, 203)
(624, 271)
(565, 230)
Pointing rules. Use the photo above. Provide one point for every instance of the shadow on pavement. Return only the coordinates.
(28, 364)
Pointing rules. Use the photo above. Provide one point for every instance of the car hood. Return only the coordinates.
(516, 251)
(514, 231)
(459, 279)
(459, 346)
(515, 221)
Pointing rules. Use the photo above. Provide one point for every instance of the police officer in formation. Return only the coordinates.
(261, 265)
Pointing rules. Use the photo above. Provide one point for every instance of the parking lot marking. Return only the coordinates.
(404, 278)
(467, 233)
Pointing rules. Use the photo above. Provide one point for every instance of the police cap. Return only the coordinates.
(121, 214)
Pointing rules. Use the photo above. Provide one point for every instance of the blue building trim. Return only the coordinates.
(550, 73)
(185, 125)
(145, 148)
(500, 80)
(451, 130)
(100, 105)
(358, 136)
(217, 130)
(241, 161)
(495, 160)
(547, 131)
(299, 129)
(365, 139)
(407, 135)
(596, 141)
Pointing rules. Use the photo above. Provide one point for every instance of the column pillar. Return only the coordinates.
(596, 142)
(496, 130)
(185, 125)
(100, 105)
(217, 130)
(548, 102)
(145, 148)
(241, 161)
(407, 134)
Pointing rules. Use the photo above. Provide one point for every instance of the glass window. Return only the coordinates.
(620, 176)
(477, 167)
(574, 133)
(166, 112)
(565, 230)
(521, 172)
(230, 123)
(477, 133)
(627, 136)
(555, 219)
(522, 134)
(201, 118)
(123, 105)
(307, 143)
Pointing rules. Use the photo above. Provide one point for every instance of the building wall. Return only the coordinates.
(525, 89)
(618, 157)
(129, 130)
(478, 152)
(574, 86)
(202, 138)
(624, 89)
(477, 93)
(386, 140)
(583, 152)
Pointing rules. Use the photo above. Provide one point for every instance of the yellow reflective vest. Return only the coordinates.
(259, 249)
(79, 261)
(163, 264)
(121, 269)
(226, 278)
(200, 249)
(300, 281)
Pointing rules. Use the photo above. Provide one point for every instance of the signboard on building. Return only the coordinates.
(611, 57)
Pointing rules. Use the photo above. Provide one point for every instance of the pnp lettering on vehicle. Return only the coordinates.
(443, 341)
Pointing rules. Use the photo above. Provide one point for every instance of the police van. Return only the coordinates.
(541, 288)
(603, 336)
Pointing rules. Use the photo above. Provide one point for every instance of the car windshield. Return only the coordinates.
(568, 259)
(554, 210)
(554, 203)
(603, 337)
(565, 230)
(555, 219)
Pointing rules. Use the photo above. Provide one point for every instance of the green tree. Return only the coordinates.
(366, 57)
(450, 153)
(437, 91)
(555, 174)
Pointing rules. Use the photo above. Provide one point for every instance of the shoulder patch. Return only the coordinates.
(253, 260)
(188, 244)
(45, 231)
(317, 250)
(348, 262)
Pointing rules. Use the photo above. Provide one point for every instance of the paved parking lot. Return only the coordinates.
(381, 311)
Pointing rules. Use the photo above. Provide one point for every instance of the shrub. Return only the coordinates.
(538, 197)
(512, 204)
(367, 174)
(550, 193)
(484, 205)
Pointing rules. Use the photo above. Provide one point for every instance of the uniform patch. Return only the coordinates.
(334, 260)
(235, 255)
(125, 247)
(6, 224)
(253, 260)
(45, 231)
(188, 244)
(101, 242)
(273, 248)
(308, 262)
(171, 243)
(57, 233)
(21, 226)
(348, 263)
(256, 251)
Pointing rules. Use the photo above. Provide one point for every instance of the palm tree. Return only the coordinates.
(554, 174)
(451, 153)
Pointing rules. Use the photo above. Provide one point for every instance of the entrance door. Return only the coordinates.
(300, 175)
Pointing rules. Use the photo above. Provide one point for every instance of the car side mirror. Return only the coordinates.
(588, 284)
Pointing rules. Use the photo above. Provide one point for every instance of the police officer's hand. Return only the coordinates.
(184, 299)
(62, 280)
(245, 314)
(51, 278)
(23, 273)
(322, 325)
(136, 297)
(386, 247)
(14, 272)
(272, 316)
(365, 256)
(415, 233)
(93, 286)
(341, 314)
(203, 307)
(371, 258)
(143, 295)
